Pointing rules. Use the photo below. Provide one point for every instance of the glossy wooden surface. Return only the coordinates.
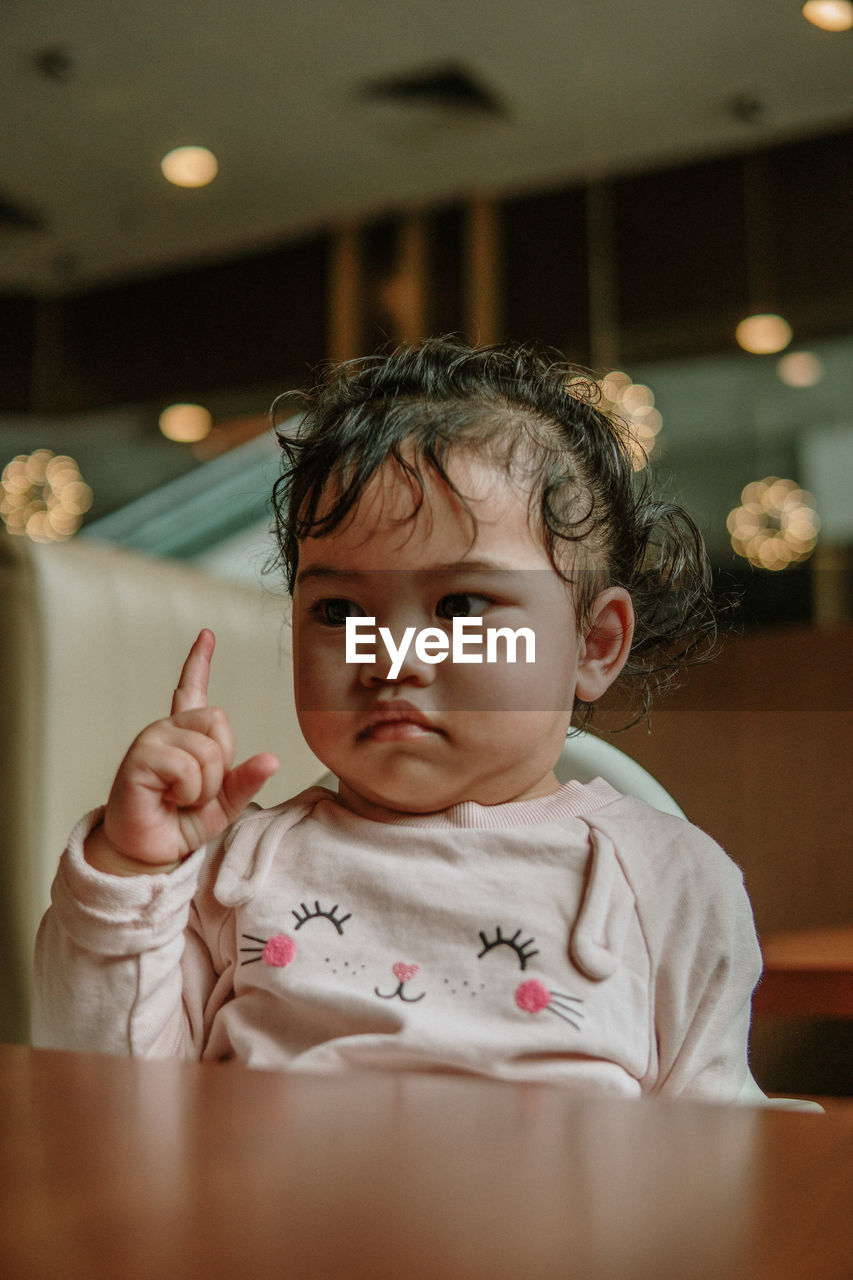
(112, 1168)
(808, 974)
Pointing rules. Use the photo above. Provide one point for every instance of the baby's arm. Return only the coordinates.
(123, 963)
(705, 962)
(703, 953)
(710, 965)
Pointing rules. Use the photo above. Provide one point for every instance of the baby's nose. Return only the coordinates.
(404, 655)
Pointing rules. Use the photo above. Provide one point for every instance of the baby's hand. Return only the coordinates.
(176, 788)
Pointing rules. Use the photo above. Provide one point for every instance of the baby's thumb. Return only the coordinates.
(243, 782)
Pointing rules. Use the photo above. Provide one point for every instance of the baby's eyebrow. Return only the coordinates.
(326, 571)
(471, 566)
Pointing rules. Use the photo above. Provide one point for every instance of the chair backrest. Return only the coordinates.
(585, 757)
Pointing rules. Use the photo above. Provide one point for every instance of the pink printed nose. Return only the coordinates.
(405, 972)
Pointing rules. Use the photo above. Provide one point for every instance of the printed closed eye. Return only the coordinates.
(333, 611)
(524, 950)
(320, 913)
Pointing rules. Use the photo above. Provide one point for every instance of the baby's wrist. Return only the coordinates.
(102, 854)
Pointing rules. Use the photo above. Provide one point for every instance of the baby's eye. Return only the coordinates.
(334, 612)
(461, 604)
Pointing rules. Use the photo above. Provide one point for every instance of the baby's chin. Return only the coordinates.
(389, 802)
(386, 803)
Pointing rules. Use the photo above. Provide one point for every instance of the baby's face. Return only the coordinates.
(429, 735)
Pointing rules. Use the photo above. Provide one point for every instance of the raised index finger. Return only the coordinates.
(191, 691)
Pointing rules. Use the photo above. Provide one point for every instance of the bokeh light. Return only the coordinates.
(763, 334)
(189, 166)
(634, 404)
(800, 369)
(776, 524)
(829, 15)
(186, 423)
(43, 496)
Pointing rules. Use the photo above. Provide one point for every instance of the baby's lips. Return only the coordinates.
(395, 712)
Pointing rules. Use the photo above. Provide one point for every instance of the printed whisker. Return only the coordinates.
(561, 1013)
(534, 997)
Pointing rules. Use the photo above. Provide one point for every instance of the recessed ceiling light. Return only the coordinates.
(762, 335)
(190, 166)
(829, 15)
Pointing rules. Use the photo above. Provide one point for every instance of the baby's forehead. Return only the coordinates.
(398, 488)
(408, 498)
(400, 522)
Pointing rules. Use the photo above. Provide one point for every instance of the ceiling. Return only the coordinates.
(93, 93)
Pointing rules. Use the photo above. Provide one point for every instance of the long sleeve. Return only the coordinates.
(120, 965)
(706, 971)
(704, 955)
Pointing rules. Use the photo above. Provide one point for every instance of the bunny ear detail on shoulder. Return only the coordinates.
(252, 843)
(608, 905)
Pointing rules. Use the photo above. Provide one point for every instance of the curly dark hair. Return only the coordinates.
(533, 412)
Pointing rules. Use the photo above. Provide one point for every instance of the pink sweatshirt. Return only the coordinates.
(580, 937)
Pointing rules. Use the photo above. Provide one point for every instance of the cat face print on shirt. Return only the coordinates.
(501, 953)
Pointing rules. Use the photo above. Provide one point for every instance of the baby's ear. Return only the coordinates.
(606, 643)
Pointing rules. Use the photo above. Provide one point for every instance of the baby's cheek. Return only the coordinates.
(482, 686)
(518, 688)
(325, 732)
(321, 675)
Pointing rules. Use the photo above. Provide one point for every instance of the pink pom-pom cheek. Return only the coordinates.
(279, 951)
(532, 996)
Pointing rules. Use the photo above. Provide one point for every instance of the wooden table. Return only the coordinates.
(176, 1171)
(808, 974)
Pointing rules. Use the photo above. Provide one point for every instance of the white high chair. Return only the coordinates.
(585, 757)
